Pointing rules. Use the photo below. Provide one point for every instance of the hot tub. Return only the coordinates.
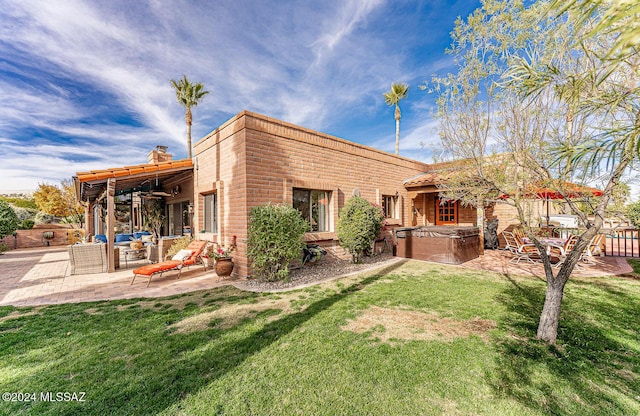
(441, 244)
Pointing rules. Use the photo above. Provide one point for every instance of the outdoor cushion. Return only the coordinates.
(151, 269)
(139, 234)
(121, 238)
(101, 238)
(182, 255)
(191, 255)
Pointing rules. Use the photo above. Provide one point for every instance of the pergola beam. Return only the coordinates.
(111, 223)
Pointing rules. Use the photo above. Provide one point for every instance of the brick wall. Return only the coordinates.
(62, 235)
(253, 160)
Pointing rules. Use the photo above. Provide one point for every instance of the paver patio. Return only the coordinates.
(32, 277)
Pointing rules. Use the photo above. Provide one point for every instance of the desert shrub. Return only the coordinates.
(633, 213)
(27, 224)
(178, 245)
(24, 213)
(21, 202)
(274, 239)
(358, 226)
(44, 218)
(8, 219)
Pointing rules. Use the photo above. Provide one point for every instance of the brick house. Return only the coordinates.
(252, 160)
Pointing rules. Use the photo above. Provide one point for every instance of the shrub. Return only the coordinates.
(178, 245)
(44, 218)
(274, 239)
(358, 226)
(8, 220)
(3, 248)
(27, 224)
(24, 213)
(633, 213)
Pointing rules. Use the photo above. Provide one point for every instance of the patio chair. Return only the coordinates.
(593, 249)
(562, 252)
(88, 258)
(520, 250)
(187, 257)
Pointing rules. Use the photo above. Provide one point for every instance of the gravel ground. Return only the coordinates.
(325, 270)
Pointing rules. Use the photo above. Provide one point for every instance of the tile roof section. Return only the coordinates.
(98, 175)
(428, 178)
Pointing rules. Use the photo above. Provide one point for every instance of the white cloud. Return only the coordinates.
(313, 64)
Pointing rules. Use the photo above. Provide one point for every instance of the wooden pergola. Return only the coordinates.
(94, 186)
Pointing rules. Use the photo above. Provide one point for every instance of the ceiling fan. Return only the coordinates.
(156, 191)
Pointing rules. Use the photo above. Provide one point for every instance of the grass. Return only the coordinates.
(411, 339)
(635, 265)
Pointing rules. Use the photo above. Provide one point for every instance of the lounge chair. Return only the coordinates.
(562, 252)
(593, 249)
(187, 257)
(521, 251)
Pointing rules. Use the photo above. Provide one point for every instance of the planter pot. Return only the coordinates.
(224, 267)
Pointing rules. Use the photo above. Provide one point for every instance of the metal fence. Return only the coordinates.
(620, 241)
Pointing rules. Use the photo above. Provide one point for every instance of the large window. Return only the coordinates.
(389, 206)
(447, 212)
(210, 213)
(314, 207)
(179, 218)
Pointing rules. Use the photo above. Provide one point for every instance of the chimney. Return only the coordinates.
(159, 155)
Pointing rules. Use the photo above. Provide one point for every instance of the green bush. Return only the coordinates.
(633, 213)
(178, 245)
(274, 239)
(358, 226)
(8, 220)
(24, 213)
(3, 248)
(44, 218)
(27, 224)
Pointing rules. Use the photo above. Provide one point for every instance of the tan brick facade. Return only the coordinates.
(252, 160)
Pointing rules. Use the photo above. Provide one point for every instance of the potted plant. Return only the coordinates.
(136, 243)
(154, 218)
(224, 261)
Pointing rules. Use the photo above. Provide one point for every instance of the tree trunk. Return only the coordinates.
(397, 116)
(550, 316)
(189, 121)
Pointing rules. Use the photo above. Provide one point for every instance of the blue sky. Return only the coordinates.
(85, 84)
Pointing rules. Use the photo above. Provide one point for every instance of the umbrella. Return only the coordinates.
(557, 189)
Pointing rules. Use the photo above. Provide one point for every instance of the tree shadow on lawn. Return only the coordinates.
(165, 367)
(594, 367)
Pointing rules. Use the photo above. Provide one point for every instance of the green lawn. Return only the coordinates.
(413, 339)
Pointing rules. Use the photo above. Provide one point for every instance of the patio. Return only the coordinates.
(32, 277)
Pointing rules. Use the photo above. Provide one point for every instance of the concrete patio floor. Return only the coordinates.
(32, 277)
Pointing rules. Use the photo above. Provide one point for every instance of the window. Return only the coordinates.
(447, 212)
(179, 218)
(314, 207)
(389, 206)
(211, 213)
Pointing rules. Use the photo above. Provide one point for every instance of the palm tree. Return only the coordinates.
(188, 95)
(393, 97)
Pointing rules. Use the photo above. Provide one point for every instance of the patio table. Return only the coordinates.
(134, 254)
